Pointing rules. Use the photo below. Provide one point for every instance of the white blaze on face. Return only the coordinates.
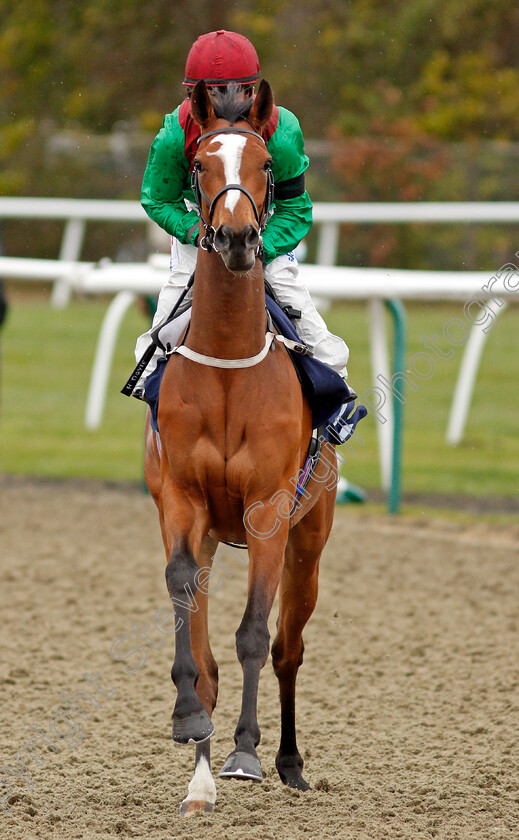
(230, 153)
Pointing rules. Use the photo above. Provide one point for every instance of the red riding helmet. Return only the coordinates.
(221, 58)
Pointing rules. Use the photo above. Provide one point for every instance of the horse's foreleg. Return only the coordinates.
(202, 789)
(252, 646)
(297, 599)
(201, 794)
(191, 722)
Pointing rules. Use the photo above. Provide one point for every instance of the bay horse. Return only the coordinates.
(234, 431)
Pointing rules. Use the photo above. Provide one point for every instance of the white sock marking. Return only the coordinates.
(230, 152)
(202, 787)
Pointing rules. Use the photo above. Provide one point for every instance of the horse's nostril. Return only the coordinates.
(226, 239)
(223, 238)
(251, 237)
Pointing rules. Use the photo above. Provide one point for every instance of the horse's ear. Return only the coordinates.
(201, 106)
(261, 110)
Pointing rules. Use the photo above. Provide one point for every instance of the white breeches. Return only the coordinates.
(282, 274)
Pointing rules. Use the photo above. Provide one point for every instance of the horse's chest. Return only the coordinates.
(213, 462)
(222, 453)
(219, 467)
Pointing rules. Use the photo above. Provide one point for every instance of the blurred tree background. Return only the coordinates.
(401, 100)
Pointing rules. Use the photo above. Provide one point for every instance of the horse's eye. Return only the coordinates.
(267, 165)
(198, 166)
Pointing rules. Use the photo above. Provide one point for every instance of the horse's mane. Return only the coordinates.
(227, 105)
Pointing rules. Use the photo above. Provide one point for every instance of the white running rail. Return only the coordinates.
(325, 280)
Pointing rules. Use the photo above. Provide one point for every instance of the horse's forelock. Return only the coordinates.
(228, 106)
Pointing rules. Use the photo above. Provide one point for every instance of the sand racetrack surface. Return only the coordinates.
(408, 704)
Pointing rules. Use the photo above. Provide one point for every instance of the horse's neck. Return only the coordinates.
(228, 316)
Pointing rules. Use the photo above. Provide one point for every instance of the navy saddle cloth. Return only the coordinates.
(328, 395)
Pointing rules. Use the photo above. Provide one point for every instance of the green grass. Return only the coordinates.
(487, 461)
(47, 357)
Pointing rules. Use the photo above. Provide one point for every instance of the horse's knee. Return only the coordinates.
(284, 660)
(253, 639)
(180, 573)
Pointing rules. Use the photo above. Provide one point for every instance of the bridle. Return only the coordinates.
(207, 242)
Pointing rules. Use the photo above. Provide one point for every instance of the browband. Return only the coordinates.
(230, 130)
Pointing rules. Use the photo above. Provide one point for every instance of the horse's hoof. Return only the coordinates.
(192, 729)
(195, 806)
(291, 773)
(296, 782)
(242, 765)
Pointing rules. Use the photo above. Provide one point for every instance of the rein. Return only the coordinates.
(207, 242)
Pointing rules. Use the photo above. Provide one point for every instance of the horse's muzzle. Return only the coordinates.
(237, 248)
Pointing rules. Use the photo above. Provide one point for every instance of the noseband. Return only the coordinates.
(207, 242)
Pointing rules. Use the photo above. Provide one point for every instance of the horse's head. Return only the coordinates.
(232, 175)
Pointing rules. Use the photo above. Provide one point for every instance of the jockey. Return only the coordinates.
(222, 59)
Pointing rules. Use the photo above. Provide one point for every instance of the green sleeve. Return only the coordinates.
(166, 182)
(292, 217)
